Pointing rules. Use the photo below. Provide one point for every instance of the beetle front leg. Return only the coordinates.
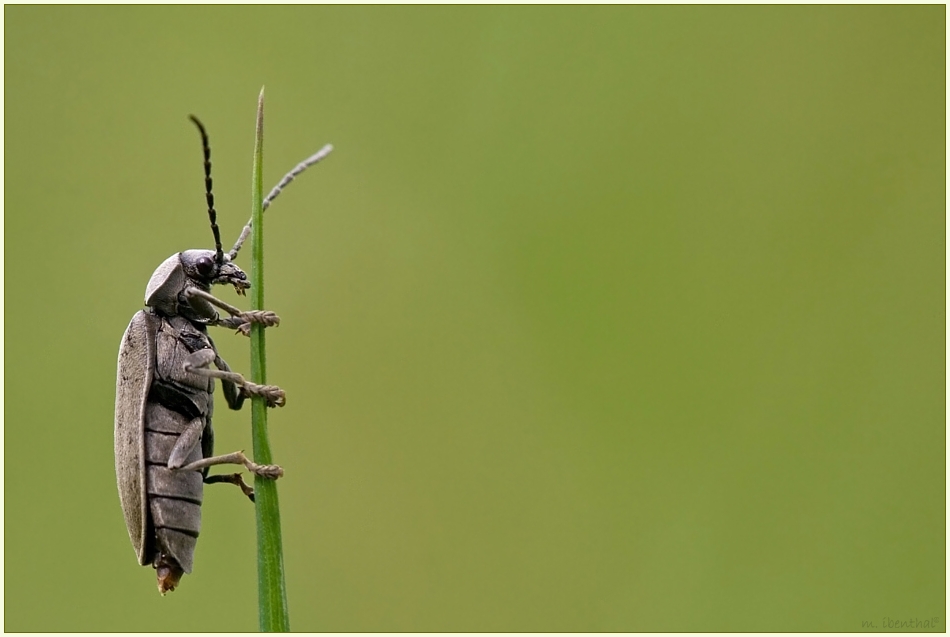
(239, 320)
(198, 362)
(242, 324)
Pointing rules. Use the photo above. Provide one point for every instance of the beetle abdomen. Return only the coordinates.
(174, 496)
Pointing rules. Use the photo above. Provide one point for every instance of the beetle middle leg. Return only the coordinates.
(198, 362)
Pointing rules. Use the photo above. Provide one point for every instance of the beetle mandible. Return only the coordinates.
(164, 441)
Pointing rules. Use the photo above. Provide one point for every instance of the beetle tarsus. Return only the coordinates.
(261, 317)
(274, 395)
(269, 471)
(242, 323)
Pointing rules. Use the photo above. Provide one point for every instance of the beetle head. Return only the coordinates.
(191, 268)
(202, 267)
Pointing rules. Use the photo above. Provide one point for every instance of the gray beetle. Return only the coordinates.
(164, 441)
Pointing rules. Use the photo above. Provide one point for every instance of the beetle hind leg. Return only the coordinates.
(270, 471)
(233, 478)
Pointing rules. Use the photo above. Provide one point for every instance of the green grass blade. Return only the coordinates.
(272, 591)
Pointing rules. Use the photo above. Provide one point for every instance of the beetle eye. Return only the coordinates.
(205, 266)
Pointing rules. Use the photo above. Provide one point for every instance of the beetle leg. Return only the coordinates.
(197, 363)
(192, 293)
(234, 478)
(243, 322)
(271, 471)
(186, 442)
(188, 438)
(239, 320)
(232, 394)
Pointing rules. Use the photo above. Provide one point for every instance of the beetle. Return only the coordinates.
(164, 440)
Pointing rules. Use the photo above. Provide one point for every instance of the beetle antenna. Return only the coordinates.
(219, 252)
(276, 190)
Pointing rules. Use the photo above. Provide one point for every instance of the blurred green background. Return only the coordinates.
(598, 319)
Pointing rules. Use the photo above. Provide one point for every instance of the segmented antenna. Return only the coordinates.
(219, 252)
(276, 190)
